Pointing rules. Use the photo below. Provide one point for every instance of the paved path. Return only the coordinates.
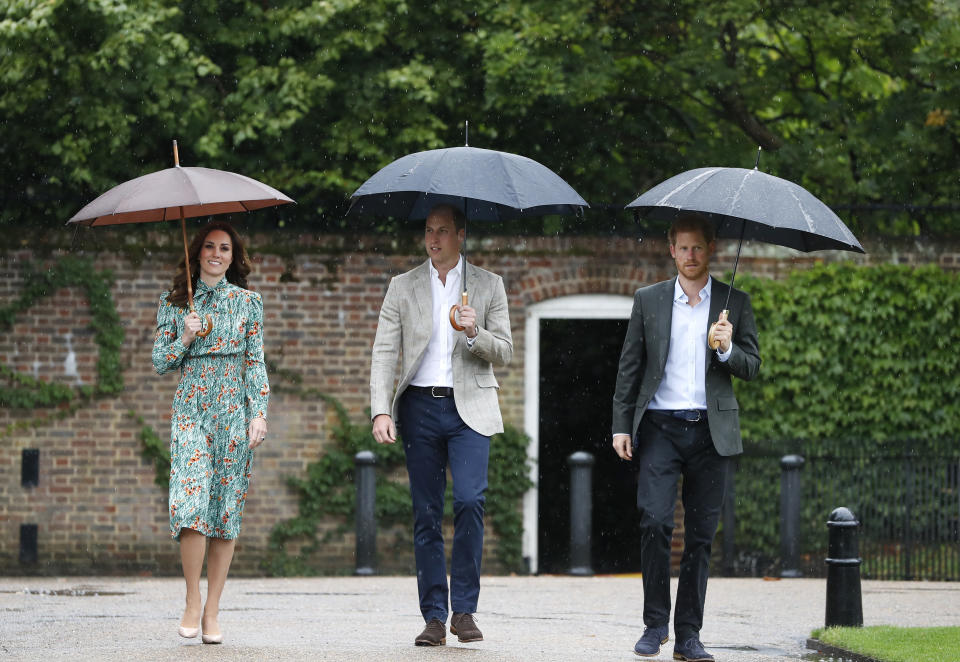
(527, 619)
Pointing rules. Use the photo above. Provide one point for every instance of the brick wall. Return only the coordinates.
(97, 507)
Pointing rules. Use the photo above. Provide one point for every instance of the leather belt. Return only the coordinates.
(687, 415)
(435, 391)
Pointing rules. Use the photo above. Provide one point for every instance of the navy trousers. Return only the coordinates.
(667, 448)
(434, 436)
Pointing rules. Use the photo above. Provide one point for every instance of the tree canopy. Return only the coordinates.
(858, 102)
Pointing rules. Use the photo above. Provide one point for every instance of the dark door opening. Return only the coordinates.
(578, 373)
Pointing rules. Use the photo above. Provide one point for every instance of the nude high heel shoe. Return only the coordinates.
(212, 638)
(188, 633)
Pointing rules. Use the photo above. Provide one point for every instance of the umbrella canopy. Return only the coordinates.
(485, 184)
(750, 204)
(170, 193)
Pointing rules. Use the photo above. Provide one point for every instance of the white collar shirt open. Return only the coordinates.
(436, 368)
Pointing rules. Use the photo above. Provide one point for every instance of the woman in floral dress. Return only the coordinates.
(219, 411)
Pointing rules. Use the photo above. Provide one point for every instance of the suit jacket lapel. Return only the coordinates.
(664, 320)
(423, 296)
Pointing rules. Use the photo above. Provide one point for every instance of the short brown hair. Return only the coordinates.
(691, 222)
(459, 218)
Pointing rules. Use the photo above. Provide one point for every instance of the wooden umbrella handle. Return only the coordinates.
(207, 326)
(453, 313)
(712, 342)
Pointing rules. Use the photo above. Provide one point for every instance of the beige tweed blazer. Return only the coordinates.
(405, 328)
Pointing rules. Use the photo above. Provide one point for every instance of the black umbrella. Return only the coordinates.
(486, 185)
(750, 204)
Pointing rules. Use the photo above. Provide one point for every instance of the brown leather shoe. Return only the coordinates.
(435, 634)
(465, 627)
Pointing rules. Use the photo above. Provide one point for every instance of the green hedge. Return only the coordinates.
(856, 353)
(861, 369)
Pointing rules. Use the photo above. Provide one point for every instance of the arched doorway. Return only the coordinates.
(572, 347)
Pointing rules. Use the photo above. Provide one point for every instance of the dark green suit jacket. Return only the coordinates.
(644, 357)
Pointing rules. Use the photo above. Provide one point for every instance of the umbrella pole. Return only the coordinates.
(208, 326)
(711, 342)
(186, 261)
(743, 227)
(463, 278)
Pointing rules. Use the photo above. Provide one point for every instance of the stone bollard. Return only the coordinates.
(366, 480)
(844, 606)
(581, 512)
(790, 491)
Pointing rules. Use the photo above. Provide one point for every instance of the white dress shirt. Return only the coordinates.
(684, 378)
(436, 368)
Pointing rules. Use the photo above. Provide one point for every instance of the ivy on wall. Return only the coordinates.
(20, 391)
(155, 450)
(328, 490)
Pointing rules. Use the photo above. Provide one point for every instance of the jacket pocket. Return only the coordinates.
(486, 380)
(727, 403)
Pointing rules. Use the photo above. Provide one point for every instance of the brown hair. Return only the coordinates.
(691, 222)
(236, 273)
(459, 218)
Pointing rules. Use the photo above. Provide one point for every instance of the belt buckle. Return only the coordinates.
(432, 393)
(686, 414)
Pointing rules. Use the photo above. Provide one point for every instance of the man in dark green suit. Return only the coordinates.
(675, 414)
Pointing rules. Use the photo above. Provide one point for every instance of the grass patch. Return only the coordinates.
(896, 644)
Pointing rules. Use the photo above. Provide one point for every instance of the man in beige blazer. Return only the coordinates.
(445, 406)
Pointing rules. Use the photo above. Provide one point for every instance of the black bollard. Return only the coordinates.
(581, 512)
(366, 480)
(790, 466)
(844, 606)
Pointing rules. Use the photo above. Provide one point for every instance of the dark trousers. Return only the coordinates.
(433, 436)
(667, 448)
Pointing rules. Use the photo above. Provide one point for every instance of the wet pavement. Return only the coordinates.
(527, 619)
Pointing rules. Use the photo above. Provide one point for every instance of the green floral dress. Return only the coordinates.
(223, 385)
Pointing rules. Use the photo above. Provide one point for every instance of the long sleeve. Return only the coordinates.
(630, 371)
(168, 349)
(255, 376)
(494, 342)
(744, 361)
(386, 350)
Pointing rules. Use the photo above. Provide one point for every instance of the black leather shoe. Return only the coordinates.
(691, 650)
(649, 644)
(435, 634)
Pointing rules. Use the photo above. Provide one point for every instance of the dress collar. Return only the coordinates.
(203, 288)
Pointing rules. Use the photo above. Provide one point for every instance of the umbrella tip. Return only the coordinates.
(176, 154)
(466, 133)
(757, 164)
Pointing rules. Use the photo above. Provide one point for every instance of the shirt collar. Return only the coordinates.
(681, 296)
(436, 274)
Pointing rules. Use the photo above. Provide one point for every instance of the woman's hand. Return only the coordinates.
(191, 326)
(257, 432)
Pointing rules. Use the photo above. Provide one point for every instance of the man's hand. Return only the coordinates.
(621, 444)
(723, 334)
(468, 320)
(384, 430)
